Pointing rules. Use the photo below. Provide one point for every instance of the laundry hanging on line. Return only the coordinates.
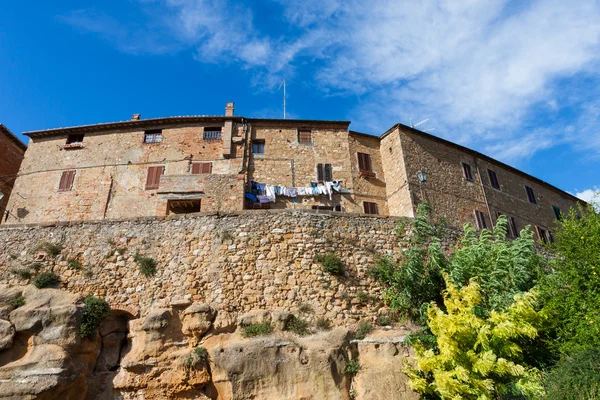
(265, 193)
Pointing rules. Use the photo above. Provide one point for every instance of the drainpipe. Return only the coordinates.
(487, 205)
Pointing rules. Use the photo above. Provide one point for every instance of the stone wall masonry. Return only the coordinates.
(11, 156)
(236, 262)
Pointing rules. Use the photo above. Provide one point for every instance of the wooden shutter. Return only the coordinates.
(66, 180)
(320, 173)
(364, 162)
(370, 208)
(153, 178)
(304, 136)
(493, 179)
(206, 168)
(328, 173)
(467, 171)
(196, 168)
(201, 168)
(480, 220)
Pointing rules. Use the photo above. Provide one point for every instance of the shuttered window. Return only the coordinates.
(530, 195)
(212, 133)
(153, 178)
(511, 230)
(66, 181)
(324, 172)
(493, 179)
(467, 171)
(201, 168)
(370, 208)
(481, 223)
(557, 213)
(304, 136)
(544, 235)
(364, 162)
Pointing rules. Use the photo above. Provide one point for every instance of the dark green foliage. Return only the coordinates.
(45, 279)
(17, 301)
(384, 320)
(74, 264)
(51, 248)
(96, 309)
(363, 296)
(121, 250)
(22, 273)
(364, 328)
(259, 329)
(147, 265)
(575, 377)
(352, 367)
(416, 279)
(297, 325)
(331, 263)
(571, 293)
(323, 324)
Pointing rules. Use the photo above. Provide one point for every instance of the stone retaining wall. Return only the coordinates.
(235, 262)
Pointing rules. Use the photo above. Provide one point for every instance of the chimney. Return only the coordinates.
(229, 109)
(136, 117)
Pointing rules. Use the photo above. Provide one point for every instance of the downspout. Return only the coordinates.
(108, 197)
(487, 205)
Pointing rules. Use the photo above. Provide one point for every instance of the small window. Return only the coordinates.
(480, 217)
(467, 171)
(183, 206)
(66, 181)
(494, 179)
(557, 213)
(304, 136)
(258, 147)
(153, 178)
(212, 133)
(153, 136)
(544, 235)
(530, 195)
(324, 173)
(364, 162)
(72, 139)
(370, 208)
(201, 168)
(511, 231)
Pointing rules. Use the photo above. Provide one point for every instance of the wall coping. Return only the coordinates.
(175, 217)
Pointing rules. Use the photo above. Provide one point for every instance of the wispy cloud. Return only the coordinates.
(483, 71)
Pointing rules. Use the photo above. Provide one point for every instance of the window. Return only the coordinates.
(153, 136)
(544, 235)
(258, 147)
(530, 195)
(324, 173)
(153, 178)
(71, 139)
(511, 230)
(557, 213)
(364, 163)
(468, 172)
(370, 208)
(201, 168)
(480, 217)
(212, 133)
(183, 206)
(66, 181)
(493, 179)
(304, 136)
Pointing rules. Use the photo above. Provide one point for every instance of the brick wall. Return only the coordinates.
(236, 262)
(12, 155)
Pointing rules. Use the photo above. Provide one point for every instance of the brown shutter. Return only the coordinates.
(369, 166)
(153, 178)
(361, 162)
(328, 173)
(207, 168)
(66, 180)
(196, 168)
(71, 180)
(320, 173)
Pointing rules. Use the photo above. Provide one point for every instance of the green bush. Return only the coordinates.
(352, 367)
(51, 248)
(147, 265)
(45, 279)
(384, 320)
(363, 296)
(323, 324)
(121, 250)
(258, 329)
(201, 353)
(22, 273)
(331, 263)
(17, 301)
(298, 326)
(96, 309)
(575, 377)
(74, 264)
(364, 328)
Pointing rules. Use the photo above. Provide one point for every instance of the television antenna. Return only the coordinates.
(280, 85)
(418, 123)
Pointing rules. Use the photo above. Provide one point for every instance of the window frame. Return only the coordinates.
(467, 171)
(369, 206)
(71, 139)
(299, 133)
(324, 171)
(511, 229)
(67, 179)
(494, 182)
(155, 184)
(153, 133)
(365, 163)
(480, 220)
(203, 167)
(557, 212)
(259, 142)
(531, 197)
(212, 134)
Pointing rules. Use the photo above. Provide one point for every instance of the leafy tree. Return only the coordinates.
(477, 357)
(575, 377)
(571, 292)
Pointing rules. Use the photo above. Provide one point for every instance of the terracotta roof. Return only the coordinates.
(313, 122)
(13, 137)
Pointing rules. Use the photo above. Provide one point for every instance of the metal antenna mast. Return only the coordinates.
(280, 85)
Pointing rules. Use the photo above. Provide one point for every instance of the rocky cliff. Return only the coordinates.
(186, 350)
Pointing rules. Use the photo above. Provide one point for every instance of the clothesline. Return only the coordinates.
(266, 193)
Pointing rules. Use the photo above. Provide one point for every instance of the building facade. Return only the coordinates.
(12, 151)
(191, 164)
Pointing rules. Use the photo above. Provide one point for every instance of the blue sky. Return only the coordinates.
(517, 80)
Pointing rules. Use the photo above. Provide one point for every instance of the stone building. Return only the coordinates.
(192, 164)
(12, 151)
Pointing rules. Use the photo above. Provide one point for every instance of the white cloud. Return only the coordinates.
(589, 195)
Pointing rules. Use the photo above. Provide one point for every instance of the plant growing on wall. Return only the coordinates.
(45, 280)
(297, 325)
(147, 265)
(257, 329)
(96, 309)
(331, 263)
